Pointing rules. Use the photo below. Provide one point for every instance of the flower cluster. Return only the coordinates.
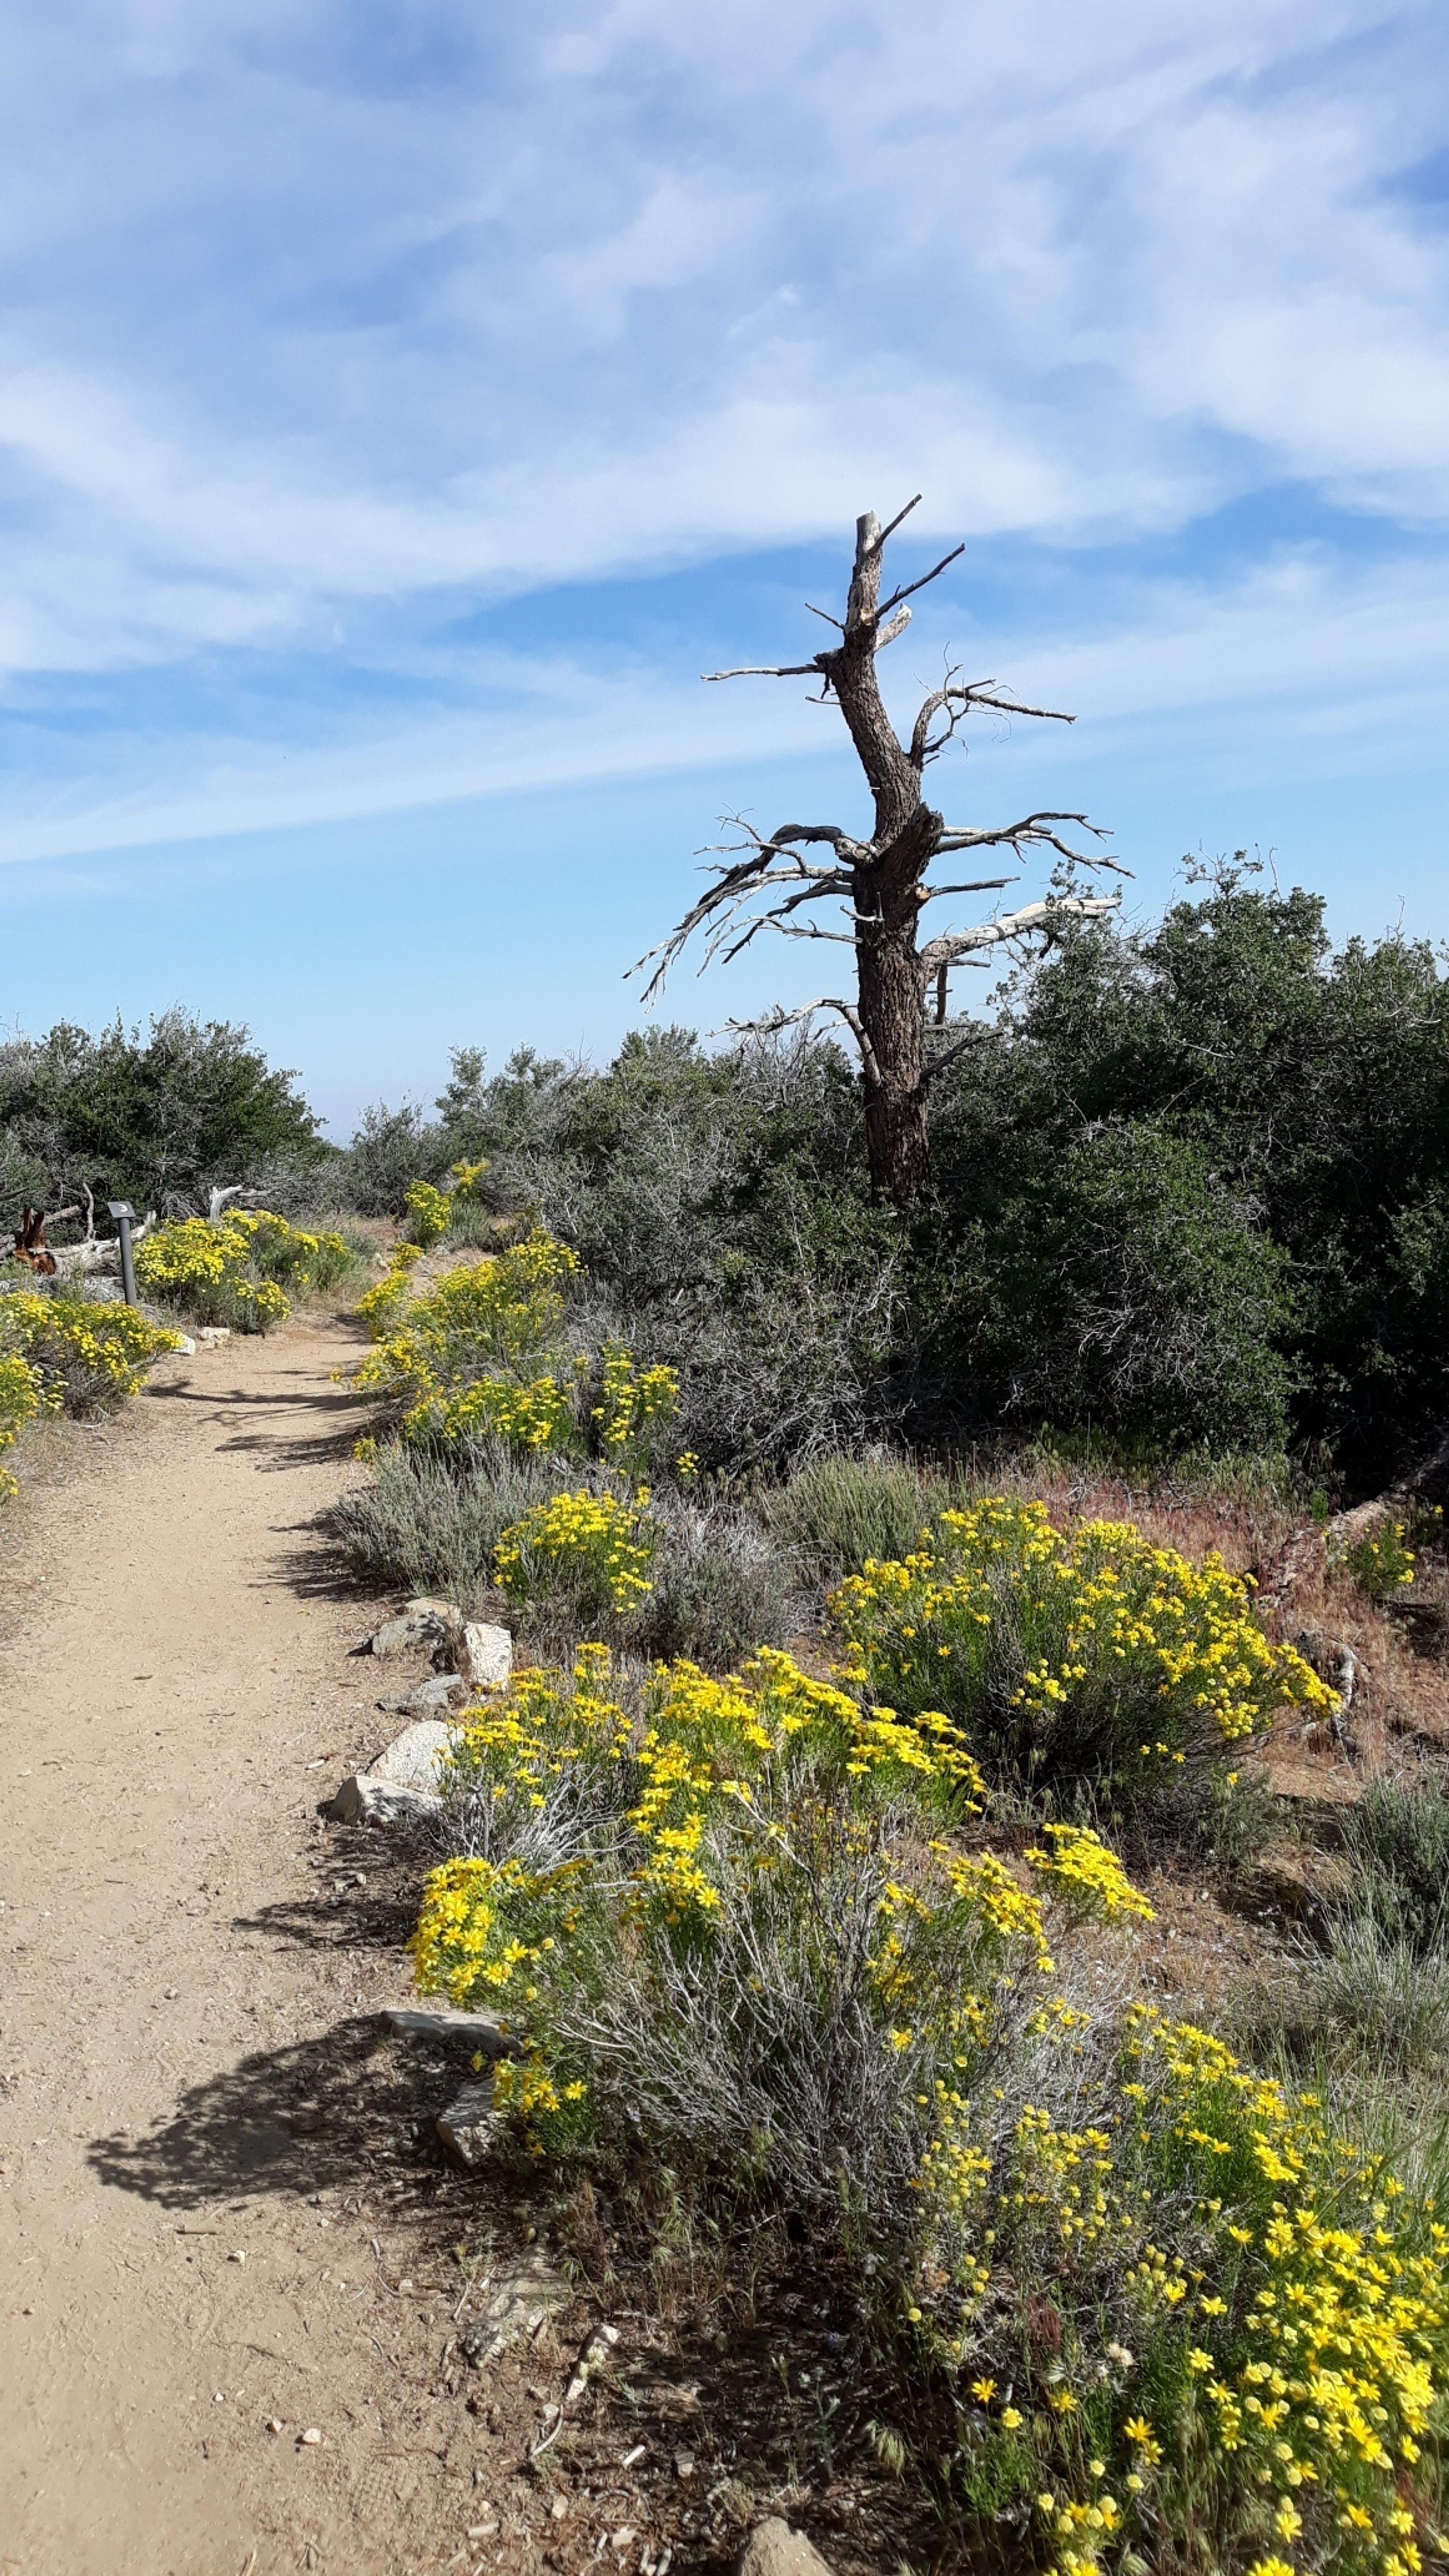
(81, 1357)
(633, 1405)
(486, 1315)
(428, 1213)
(1112, 1640)
(595, 1548)
(1085, 1873)
(1382, 1562)
(236, 1269)
(1167, 2291)
(22, 1394)
(63, 1354)
(1283, 2306)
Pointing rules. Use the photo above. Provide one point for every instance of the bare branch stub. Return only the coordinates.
(882, 881)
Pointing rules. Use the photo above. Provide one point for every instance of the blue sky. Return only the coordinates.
(401, 403)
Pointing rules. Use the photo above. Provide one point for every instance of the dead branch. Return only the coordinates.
(1033, 918)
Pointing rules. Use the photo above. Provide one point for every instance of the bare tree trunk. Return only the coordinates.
(883, 881)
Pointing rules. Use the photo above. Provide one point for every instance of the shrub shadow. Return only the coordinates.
(322, 2114)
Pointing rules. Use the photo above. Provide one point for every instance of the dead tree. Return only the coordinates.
(881, 883)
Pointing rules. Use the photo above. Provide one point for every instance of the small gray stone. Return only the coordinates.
(441, 1691)
(413, 1759)
(408, 1635)
(469, 2127)
(361, 1801)
(484, 1655)
(773, 2549)
(524, 2290)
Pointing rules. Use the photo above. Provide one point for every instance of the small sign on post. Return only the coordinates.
(122, 1211)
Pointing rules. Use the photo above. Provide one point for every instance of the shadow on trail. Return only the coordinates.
(280, 1449)
(320, 2115)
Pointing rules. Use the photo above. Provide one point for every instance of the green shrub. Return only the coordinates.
(1397, 1842)
(158, 1119)
(720, 1586)
(1086, 1657)
(835, 1512)
(1368, 2002)
(425, 1526)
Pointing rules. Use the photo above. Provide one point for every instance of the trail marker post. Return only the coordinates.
(122, 1211)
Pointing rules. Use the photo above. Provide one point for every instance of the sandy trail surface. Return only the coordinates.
(188, 2036)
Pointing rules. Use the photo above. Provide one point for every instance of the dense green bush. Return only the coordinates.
(1216, 1133)
(158, 1120)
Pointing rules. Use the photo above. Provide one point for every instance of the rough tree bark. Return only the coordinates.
(882, 882)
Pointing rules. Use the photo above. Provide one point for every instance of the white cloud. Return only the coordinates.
(308, 310)
(1302, 665)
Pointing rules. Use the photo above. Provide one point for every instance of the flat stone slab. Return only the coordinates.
(524, 2291)
(432, 1698)
(481, 2032)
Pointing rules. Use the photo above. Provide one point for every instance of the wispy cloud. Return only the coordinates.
(311, 306)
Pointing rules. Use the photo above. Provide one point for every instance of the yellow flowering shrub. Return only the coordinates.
(1171, 2299)
(236, 1269)
(595, 1550)
(459, 1360)
(427, 1211)
(1242, 2321)
(484, 1314)
(80, 1356)
(1382, 1562)
(22, 1393)
(1062, 1654)
(1087, 1876)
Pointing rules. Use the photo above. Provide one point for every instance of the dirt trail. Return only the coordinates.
(183, 2034)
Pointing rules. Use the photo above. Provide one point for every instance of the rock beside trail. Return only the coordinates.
(773, 2549)
(482, 2032)
(401, 1786)
(483, 1655)
(211, 1336)
(414, 1758)
(412, 1632)
(524, 2290)
(362, 1801)
(432, 1698)
(469, 2128)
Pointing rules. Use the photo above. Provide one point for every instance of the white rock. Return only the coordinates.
(414, 1758)
(210, 1334)
(469, 2127)
(484, 1655)
(185, 1347)
(311, 2437)
(773, 2549)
